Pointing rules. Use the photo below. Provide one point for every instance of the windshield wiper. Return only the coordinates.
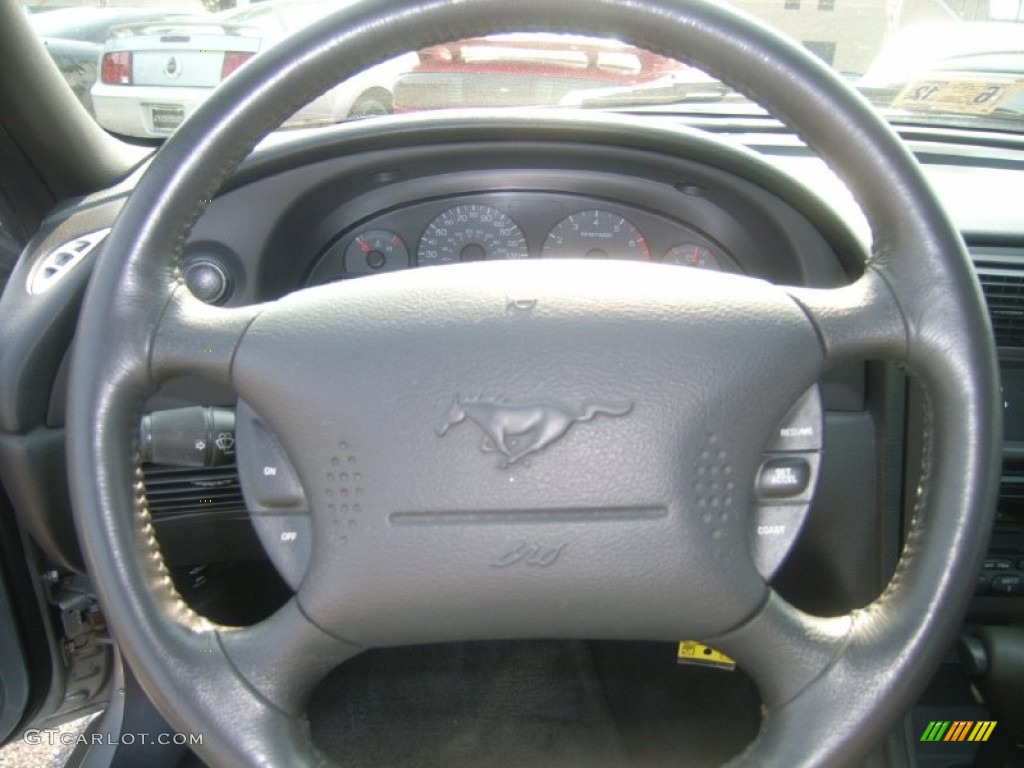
(662, 93)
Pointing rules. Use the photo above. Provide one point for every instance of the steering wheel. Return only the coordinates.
(633, 545)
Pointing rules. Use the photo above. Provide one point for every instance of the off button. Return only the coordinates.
(783, 477)
(288, 541)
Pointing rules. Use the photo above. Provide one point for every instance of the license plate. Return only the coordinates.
(167, 118)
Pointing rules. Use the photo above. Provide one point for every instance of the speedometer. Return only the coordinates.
(471, 233)
(596, 234)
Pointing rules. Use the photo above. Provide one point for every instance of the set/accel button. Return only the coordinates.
(783, 477)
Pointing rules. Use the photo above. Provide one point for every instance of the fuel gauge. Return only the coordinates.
(375, 250)
(692, 255)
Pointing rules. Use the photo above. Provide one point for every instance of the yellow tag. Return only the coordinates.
(691, 652)
(957, 95)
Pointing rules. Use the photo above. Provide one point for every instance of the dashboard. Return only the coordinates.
(480, 197)
(516, 226)
(307, 210)
(351, 203)
(528, 192)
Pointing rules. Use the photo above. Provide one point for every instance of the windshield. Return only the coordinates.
(141, 70)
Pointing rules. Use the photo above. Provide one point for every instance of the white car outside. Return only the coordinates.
(153, 76)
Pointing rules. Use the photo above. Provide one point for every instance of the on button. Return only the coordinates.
(269, 481)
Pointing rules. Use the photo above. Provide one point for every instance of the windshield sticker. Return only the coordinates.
(968, 97)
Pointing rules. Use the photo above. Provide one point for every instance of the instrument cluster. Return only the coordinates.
(514, 225)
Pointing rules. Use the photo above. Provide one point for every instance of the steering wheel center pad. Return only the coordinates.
(635, 402)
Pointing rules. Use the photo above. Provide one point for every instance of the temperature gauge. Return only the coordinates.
(375, 250)
(692, 255)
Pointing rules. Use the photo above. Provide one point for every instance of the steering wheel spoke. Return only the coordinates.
(861, 321)
(784, 649)
(225, 694)
(196, 338)
(285, 656)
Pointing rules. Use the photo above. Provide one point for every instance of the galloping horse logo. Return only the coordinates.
(516, 430)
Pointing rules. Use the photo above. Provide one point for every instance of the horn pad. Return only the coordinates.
(610, 425)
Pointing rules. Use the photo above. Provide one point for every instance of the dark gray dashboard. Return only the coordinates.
(295, 209)
(519, 225)
(280, 228)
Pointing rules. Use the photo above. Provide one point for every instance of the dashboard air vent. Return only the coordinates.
(1011, 495)
(1002, 282)
(61, 259)
(1012, 486)
(173, 491)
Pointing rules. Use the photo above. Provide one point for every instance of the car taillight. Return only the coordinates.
(116, 68)
(232, 61)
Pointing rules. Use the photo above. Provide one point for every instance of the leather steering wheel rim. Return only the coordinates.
(846, 681)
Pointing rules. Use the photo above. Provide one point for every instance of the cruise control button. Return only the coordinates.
(269, 481)
(288, 540)
(800, 430)
(775, 530)
(784, 477)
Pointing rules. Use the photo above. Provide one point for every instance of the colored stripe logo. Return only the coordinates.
(958, 730)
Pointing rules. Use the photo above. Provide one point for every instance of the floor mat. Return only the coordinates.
(511, 704)
(676, 715)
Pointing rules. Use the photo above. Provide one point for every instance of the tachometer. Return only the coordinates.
(471, 233)
(596, 234)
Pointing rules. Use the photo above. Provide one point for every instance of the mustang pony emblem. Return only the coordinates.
(516, 430)
(173, 67)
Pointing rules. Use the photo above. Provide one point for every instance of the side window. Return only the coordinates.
(24, 202)
(11, 242)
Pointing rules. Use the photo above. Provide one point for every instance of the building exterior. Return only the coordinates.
(849, 33)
